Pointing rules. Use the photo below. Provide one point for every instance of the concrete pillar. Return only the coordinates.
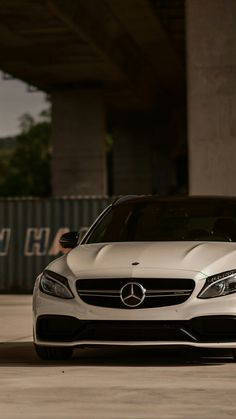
(150, 151)
(132, 157)
(78, 141)
(211, 58)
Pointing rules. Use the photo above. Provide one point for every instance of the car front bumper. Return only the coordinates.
(199, 331)
(197, 323)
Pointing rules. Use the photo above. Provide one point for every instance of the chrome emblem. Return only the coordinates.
(132, 294)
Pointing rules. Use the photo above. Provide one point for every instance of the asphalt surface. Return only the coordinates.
(111, 383)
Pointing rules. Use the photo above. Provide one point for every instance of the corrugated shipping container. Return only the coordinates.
(29, 233)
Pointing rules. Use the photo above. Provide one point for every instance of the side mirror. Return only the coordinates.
(69, 240)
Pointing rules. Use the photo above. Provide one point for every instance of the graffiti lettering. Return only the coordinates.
(36, 241)
(5, 235)
(55, 247)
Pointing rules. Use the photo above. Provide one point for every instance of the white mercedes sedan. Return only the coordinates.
(150, 271)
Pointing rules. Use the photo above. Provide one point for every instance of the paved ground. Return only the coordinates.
(108, 384)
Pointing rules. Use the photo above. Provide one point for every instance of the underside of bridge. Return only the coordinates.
(118, 67)
(117, 45)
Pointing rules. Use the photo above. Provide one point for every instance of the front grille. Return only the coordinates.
(68, 329)
(58, 328)
(140, 331)
(159, 292)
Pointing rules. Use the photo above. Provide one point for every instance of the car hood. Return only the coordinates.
(139, 259)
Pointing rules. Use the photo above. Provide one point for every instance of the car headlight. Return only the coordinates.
(54, 284)
(219, 285)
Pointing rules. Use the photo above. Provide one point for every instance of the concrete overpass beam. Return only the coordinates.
(211, 55)
(95, 22)
(78, 140)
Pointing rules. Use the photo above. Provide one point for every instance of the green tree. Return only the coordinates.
(26, 172)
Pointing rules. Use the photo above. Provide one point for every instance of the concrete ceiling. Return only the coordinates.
(133, 49)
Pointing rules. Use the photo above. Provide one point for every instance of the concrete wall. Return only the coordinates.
(211, 57)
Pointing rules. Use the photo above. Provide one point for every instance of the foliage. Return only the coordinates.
(25, 170)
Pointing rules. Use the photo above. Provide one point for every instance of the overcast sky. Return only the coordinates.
(15, 100)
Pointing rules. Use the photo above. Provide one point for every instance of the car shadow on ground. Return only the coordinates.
(23, 354)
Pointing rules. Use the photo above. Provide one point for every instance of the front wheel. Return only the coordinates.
(52, 353)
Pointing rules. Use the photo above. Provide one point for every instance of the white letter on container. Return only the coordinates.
(5, 235)
(36, 241)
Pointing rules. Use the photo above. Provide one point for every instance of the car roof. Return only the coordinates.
(173, 199)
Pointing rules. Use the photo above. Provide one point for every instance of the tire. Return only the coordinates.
(50, 353)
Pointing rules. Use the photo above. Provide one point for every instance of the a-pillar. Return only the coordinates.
(211, 57)
(78, 143)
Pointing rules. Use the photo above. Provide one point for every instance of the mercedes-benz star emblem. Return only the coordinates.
(132, 294)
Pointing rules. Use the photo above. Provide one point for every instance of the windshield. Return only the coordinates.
(167, 221)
